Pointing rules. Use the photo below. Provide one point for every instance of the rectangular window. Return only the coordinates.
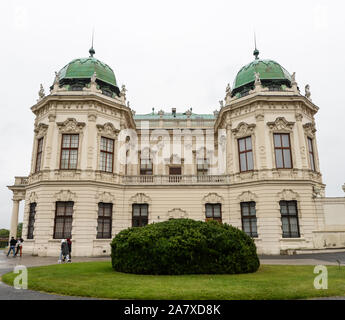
(63, 220)
(69, 151)
(311, 154)
(202, 167)
(245, 151)
(39, 154)
(146, 167)
(31, 221)
(175, 174)
(248, 215)
(104, 221)
(289, 216)
(140, 215)
(282, 148)
(107, 154)
(213, 211)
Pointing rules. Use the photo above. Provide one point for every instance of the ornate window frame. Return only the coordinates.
(107, 130)
(63, 195)
(139, 198)
(289, 195)
(248, 196)
(105, 197)
(244, 130)
(70, 126)
(32, 198)
(212, 198)
(310, 132)
(281, 125)
(40, 132)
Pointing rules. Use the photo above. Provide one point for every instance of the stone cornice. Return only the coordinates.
(85, 99)
(259, 100)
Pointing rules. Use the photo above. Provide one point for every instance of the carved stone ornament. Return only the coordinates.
(177, 213)
(212, 198)
(247, 196)
(287, 195)
(105, 197)
(317, 192)
(309, 129)
(71, 125)
(41, 129)
(65, 195)
(243, 129)
(140, 198)
(33, 197)
(108, 129)
(281, 124)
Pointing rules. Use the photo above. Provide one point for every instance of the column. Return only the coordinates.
(260, 143)
(49, 143)
(229, 168)
(14, 219)
(302, 149)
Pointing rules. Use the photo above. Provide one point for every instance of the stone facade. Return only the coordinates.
(259, 115)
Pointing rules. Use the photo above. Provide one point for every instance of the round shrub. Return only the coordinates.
(184, 246)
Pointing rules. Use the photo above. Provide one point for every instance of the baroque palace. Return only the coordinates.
(98, 167)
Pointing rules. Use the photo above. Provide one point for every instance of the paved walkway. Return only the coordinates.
(7, 264)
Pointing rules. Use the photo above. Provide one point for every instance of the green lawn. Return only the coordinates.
(97, 279)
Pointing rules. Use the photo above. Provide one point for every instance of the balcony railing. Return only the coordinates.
(176, 179)
(149, 179)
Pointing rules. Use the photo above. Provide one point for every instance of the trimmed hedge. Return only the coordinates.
(184, 246)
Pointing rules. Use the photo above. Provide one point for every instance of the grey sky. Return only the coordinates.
(169, 54)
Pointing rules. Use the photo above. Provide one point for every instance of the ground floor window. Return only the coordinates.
(248, 215)
(213, 211)
(140, 215)
(63, 220)
(31, 221)
(289, 216)
(104, 221)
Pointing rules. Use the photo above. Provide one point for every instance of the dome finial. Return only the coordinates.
(256, 51)
(92, 50)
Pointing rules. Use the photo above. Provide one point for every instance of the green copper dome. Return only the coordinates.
(271, 73)
(84, 68)
(78, 73)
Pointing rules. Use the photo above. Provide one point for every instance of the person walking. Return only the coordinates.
(13, 243)
(64, 253)
(69, 243)
(19, 246)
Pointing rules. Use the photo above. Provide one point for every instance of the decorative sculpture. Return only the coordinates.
(228, 90)
(41, 93)
(307, 92)
(257, 78)
(93, 78)
(56, 80)
(221, 102)
(123, 92)
(293, 77)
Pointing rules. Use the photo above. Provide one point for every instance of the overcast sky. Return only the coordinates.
(169, 54)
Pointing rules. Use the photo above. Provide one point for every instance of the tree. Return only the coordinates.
(19, 229)
(4, 233)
